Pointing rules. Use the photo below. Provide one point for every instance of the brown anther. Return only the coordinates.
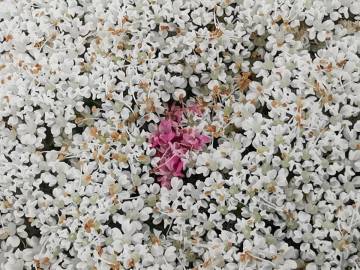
(8, 38)
(90, 223)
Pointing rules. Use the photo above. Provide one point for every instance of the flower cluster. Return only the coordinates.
(88, 129)
(172, 142)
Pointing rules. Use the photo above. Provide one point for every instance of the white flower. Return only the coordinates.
(170, 254)
(354, 156)
(179, 94)
(289, 264)
(311, 266)
(13, 264)
(29, 139)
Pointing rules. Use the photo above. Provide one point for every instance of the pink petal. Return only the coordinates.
(170, 163)
(165, 181)
(175, 113)
(154, 141)
(162, 169)
(195, 108)
(204, 140)
(166, 126)
(167, 137)
(179, 168)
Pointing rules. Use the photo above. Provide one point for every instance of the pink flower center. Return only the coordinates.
(172, 143)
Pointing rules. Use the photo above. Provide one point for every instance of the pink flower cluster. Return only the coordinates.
(172, 142)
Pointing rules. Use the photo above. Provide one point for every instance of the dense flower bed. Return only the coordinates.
(185, 134)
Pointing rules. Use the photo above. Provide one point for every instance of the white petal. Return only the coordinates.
(117, 246)
(14, 241)
(125, 113)
(170, 254)
(28, 139)
(157, 251)
(147, 260)
(290, 264)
